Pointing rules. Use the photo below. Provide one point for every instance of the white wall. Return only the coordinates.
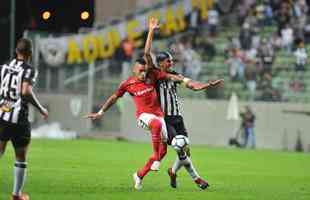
(207, 124)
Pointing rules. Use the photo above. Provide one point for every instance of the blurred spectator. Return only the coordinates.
(192, 61)
(243, 9)
(287, 35)
(213, 21)
(124, 55)
(296, 85)
(232, 43)
(245, 36)
(266, 56)
(300, 11)
(194, 19)
(268, 12)
(301, 57)
(307, 33)
(236, 65)
(248, 124)
(283, 15)
(250, 72)
(269, 93)
(275, 41)
(205, 47)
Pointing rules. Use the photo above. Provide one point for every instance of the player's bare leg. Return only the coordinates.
(184, 160)
(2, 147)
(138, 177)
(20, 173)
(156, 128)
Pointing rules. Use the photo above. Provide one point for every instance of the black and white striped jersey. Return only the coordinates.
(168, 97)
(13, 108)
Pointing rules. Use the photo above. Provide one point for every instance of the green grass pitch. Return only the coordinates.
(102, 170)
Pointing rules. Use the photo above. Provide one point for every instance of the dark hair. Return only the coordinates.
(141, 61)
(162, 56)
(24, 47)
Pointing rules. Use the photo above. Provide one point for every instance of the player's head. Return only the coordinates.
(24, 49)
(139, 69)
(164, 60)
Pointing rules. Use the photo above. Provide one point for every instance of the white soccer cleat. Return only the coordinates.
(138, 181)
(155, 166)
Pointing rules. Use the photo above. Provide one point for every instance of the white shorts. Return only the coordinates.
(144, 121)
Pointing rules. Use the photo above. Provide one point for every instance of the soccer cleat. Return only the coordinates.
(202, 183)
(138, 181)
(173, 178)
(155, 166)
(23, 196)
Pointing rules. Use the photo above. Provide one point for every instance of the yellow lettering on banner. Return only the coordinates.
(106, 46)
(180, 16)
(171, 25)
(74, 54)
(134, 33)
(90, 48)
(195, 3)
(203, 6)
(116, 37)
(156, 14)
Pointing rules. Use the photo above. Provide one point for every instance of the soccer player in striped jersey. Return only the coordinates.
(141, 86)
(16, 82)
(170, 104)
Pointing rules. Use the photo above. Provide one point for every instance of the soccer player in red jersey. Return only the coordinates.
(141, 86)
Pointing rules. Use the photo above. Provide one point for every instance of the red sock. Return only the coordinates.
(147, 167)
(162, 150)
(155, 126)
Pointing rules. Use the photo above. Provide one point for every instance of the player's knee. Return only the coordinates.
(188, 151)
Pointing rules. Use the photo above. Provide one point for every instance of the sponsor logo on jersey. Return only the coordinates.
(142, 92)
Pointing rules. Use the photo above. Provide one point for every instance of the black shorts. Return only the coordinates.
(175, 126)
(19, 134)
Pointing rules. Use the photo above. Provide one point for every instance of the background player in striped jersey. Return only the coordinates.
(16, 81)
(167, 91)
(141, 86)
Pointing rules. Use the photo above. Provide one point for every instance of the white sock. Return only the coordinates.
(177, 165)
(19, 177)
(190, 168)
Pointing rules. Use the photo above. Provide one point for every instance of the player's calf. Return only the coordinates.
(156, 128)
(173, 178)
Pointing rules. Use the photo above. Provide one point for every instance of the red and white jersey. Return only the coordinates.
(143, 92)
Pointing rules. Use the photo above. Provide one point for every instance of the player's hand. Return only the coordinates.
(93, 116)
(218, 82)
(44, 113)
(153, 23)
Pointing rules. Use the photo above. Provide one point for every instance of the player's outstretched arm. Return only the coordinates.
(197, 86)
(29, 96)
(109, 102)
(153, 25)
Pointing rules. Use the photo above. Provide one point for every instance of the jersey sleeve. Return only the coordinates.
(30, 75)
(121, 90)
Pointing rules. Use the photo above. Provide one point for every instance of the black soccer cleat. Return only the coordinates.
(202, 184)
(173, 178)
